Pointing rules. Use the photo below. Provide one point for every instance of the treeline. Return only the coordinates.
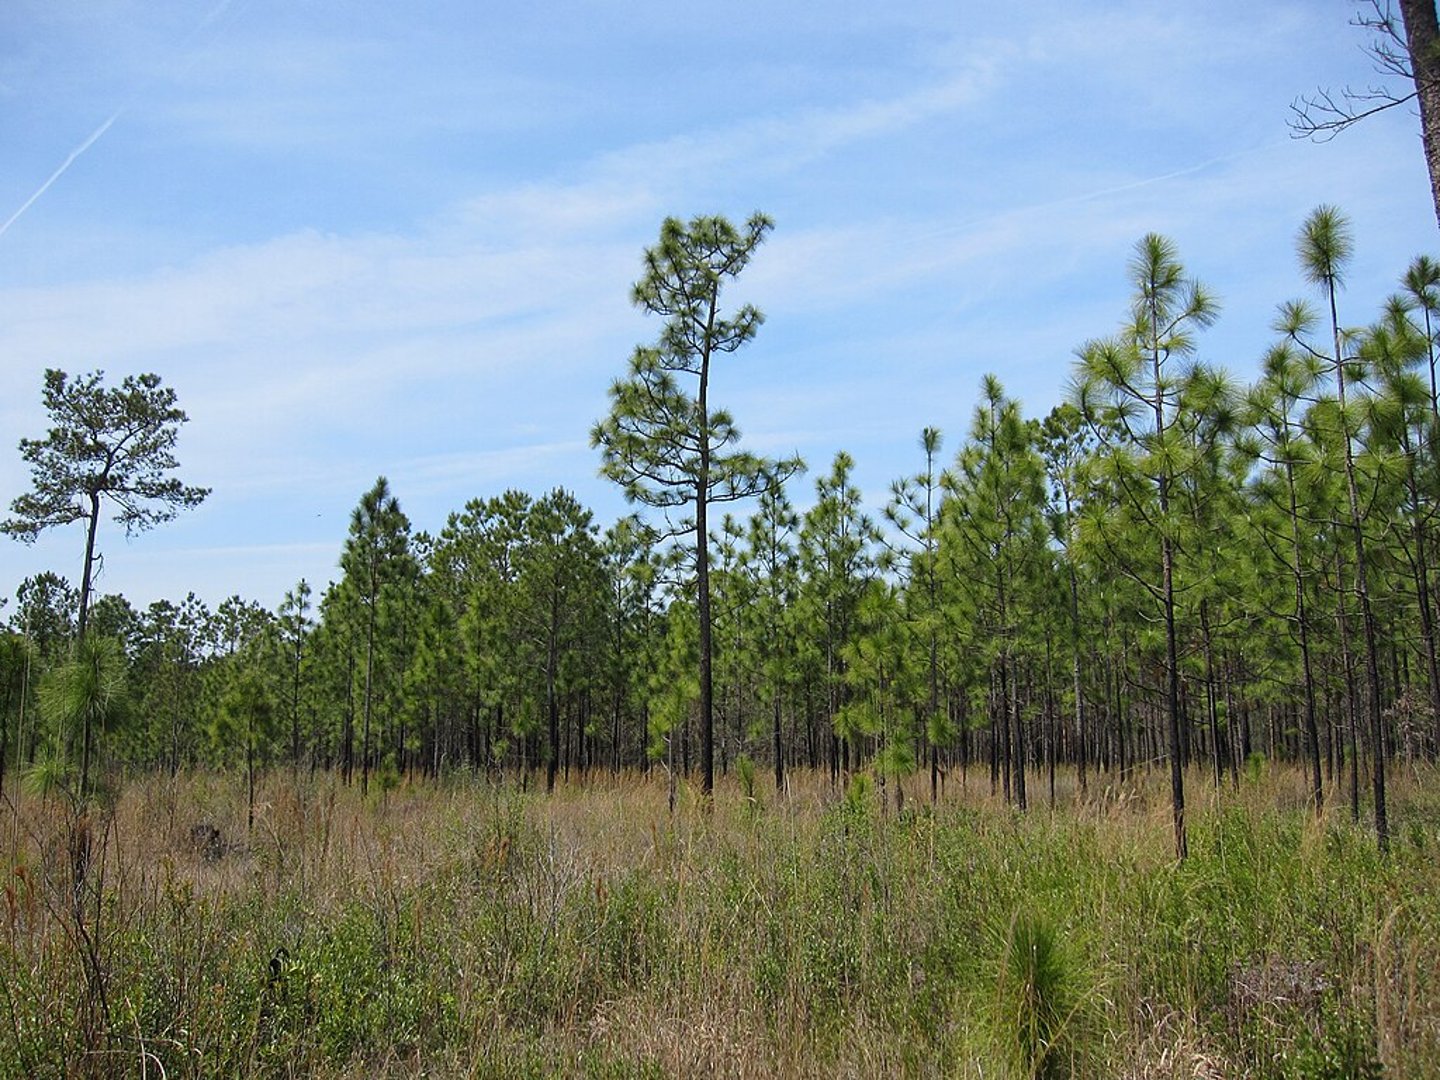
(1168, 557)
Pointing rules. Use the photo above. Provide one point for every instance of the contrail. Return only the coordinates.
(70, 160)
(220, 11)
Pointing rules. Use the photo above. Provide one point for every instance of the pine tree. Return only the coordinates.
(666, 444)
(106, 445)
(1129, 390)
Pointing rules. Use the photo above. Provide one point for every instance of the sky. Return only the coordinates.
(363, 238)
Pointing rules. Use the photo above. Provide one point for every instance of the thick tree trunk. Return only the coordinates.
(1422, 40)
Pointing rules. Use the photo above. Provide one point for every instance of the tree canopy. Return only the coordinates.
(111, 445)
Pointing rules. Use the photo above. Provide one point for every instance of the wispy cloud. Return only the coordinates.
(791, 139)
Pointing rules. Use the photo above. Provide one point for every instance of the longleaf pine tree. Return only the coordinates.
(111, 445)
(1325, 247)
(1129, 388)
(664, 442)
(107, 444)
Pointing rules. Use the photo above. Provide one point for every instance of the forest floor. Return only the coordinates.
(472, 928)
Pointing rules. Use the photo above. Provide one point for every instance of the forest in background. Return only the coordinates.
(1168, 558)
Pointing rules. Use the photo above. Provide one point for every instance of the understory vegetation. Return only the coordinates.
(474, 926)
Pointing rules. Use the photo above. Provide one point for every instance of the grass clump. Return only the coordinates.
(1040, 995)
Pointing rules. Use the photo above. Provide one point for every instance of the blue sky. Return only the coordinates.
(366, 237)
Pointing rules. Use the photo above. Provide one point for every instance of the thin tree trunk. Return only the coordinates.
(1351, 711)
(1167, 579)
(779, 747)
(1080, 747)
(1362, 590)
(702, 565)
(82, 622)
(552, 706)
(1211, 710)
(369, 679)
(1421, 540)
(1172, 697)
(1312, 730)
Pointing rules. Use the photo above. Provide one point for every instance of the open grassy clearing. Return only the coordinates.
(477, 929)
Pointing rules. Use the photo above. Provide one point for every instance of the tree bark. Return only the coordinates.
(1362, 591)
(1422, 41)
(779, 745)
(702, 568)
(86, 572)
(82, 621)
(1172, 652)
(369, 681)
(1302, 620)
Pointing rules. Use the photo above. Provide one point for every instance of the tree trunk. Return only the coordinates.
(1422, 41)
(1167, 578)
(1172, 697)
(81, 623)
(1015, 732)
(369, 679)
(250, 777)
(1312, 730)
(86, 571)
(779, 746)
(1080, 748)
(1421, 540)
(295, 715)
(1362, 589)
(552, 705)
(1211, 710)
(702, 586)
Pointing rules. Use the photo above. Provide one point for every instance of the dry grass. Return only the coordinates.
(469, 928)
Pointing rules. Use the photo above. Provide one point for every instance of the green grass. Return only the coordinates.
(465, 929)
